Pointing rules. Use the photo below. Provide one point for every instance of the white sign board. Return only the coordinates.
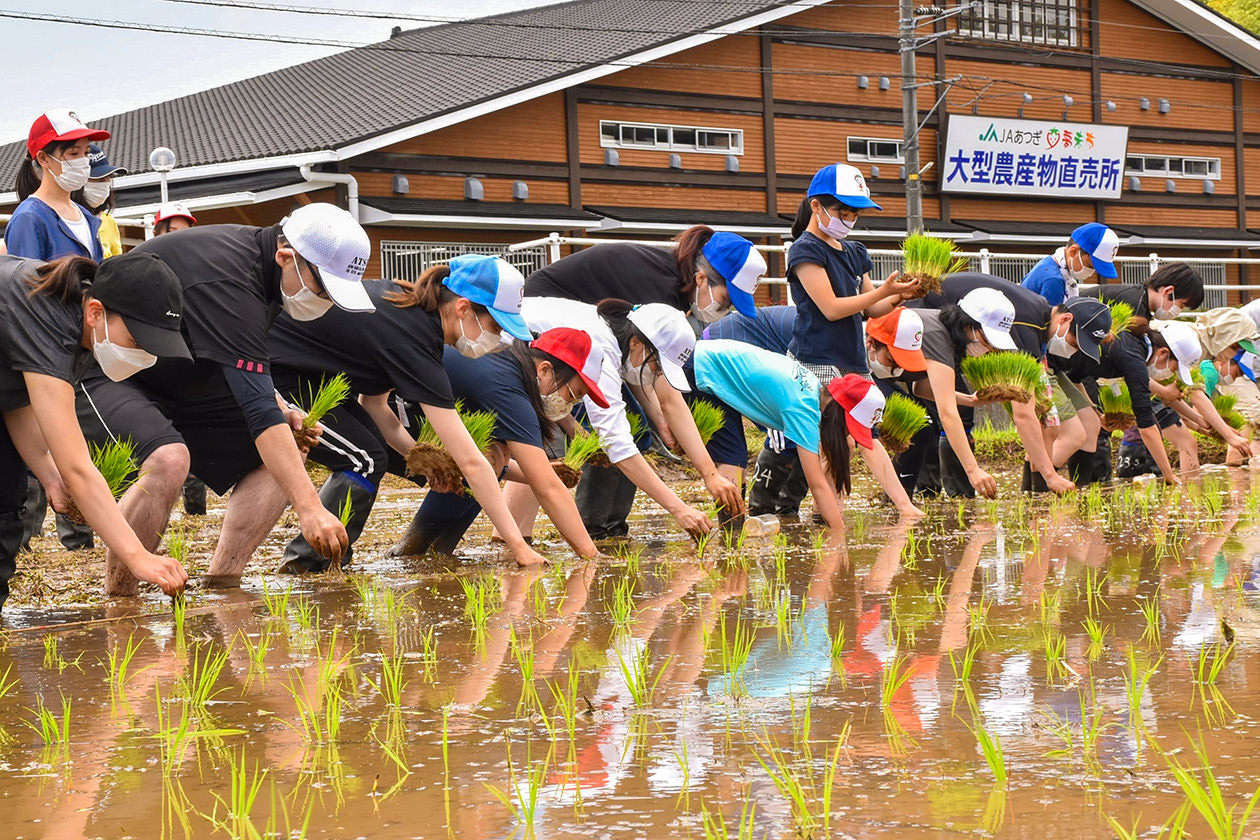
(1034, 158)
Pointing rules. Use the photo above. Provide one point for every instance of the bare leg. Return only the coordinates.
(523, 505)
(1072, 436)
(147, 508)
(253, 509)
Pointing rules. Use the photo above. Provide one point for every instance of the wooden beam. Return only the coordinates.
(767, 122)
(572, 146)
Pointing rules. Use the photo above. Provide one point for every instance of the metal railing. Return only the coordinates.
(401, 258)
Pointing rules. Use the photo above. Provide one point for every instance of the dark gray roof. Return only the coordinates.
(417, 75)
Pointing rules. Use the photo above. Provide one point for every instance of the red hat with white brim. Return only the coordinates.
(863, 405)
(60, 126)
(575, 349)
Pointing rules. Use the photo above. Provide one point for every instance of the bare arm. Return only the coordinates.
(818, 286)
(1207, 409)
(724, 491)
(941, 378)
(1155, 445)
(1029, 428)
(554, 497)
(29, 441)
(395, 434)
(638, 470)
(827, 501)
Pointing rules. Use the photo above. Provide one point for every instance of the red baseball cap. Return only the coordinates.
(60, 126)
(575, 349)
(863, 405)
(902, 331)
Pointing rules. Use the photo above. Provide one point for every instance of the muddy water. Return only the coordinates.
(848, 698)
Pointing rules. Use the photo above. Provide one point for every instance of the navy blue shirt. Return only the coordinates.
(496, 382)
(815, 339)
(770, 330)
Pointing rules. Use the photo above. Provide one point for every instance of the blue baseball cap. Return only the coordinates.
(1247, 363)
(1101, 243)
(740, 265)
(845, 184)
(101, 167)
(495, 284)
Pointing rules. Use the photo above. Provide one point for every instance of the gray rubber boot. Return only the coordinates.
(299, 557)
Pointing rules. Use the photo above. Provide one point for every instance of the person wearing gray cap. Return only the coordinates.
(54, 317)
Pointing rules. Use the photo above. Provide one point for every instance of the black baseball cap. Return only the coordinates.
(1092, 321)
(146, 293)
(101, 167)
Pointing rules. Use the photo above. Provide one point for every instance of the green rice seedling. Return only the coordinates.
(903, 419)
(581, 449)
(305, 613)
(715, 826)
(330, 394)
(1136, 679)
(119, 663)
(928, 259)
(1095, 581)
(53, 731)
(783, 615)
(479, 602)
(197, 685)
(637, 424)
(178, 544)
(179, 613)
(1225, 406)
(797, 782)
(1055, 646)
(1151, 628)
(523, 653)
(277, 602)
(522, 797)
(244, 787)
(892, 679)
(392, 683)
(54, 659)
(621, 607)
(480, 426)
(319, 714)
(637, 673)
(978, 626)
(1050, 603)
(1097, 634)
(116, 462)
(1003, 376)
(1117, 405)
(991, 746)
(565, 706)
(346, 510)
(1121, 317)
(1207, 798)
(708, 417)
(257, 652)
(734, 648)
(1208, 669)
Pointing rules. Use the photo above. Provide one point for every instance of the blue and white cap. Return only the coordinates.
(1247, 363)
(1101, 243)
(845, 184)
(741, 266)
(495, 284)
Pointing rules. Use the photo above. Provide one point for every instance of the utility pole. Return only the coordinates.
(910, 118)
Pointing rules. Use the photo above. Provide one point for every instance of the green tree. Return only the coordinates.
(1246, 13)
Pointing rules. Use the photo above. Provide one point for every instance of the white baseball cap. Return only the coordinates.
(1183, 341)
(671, 335)
(995, 313)
(174, 210)
(843, 183)
(330, 239)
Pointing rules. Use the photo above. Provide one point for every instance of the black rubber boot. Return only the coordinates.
(299, 556)
(439, 525)
(34, 509)
(769, 473)
(73, 535)
(1081, 467)
(194, 496)
(11, 533)
(604, 498)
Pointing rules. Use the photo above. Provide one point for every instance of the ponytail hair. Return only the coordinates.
(616, 313)
(803, 212)
(68, 279)
(687, 256)
(427, 292)
(833, 443)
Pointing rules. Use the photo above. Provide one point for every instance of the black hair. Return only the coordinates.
(29, 175)
(1158, 342)
(956, 323)
(616, 313)
(68, 279)
(803, 213)
(833, 442)
(162, 227)
(688, 257)
(527, 358)
(1186, 282)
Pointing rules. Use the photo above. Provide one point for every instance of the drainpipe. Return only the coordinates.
(352, 186)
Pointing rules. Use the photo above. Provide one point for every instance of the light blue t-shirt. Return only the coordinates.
(770, 390)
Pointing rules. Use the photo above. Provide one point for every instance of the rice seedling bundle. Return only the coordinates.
(331, 393)
(580, 450)
(1116, 404)
(903, 419)
(1121, 317)
(1224, 404)
(429, 458)
(709, 419)
(116, 462)
(637, 428)
(1003, 376)
(928, 259)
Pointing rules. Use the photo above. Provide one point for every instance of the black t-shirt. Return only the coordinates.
(231, 289)
(1135, 296)
(40, 334)
(496, 383)
(1124, 357)
(393, 348)
(816, 340)
(1032, 311)
(636, 273)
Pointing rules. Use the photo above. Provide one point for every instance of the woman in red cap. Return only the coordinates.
(48, 223)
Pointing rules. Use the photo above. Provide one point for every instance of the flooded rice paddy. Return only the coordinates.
(1028, 668)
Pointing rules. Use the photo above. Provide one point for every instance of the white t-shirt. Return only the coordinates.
(82, 230)
(544, 313)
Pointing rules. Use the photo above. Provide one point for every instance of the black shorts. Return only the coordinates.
(1165, 416)
(199, 411)
(351, 442)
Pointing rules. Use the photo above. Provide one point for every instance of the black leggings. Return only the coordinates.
(12, 497)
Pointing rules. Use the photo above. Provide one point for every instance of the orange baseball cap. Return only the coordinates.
(902, 331)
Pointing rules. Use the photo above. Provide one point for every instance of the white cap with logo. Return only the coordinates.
(671, 335)
(1183, 341)
(995, 313)
(330, 239)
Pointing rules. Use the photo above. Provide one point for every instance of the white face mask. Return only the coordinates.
(1159, 374)
(305, 305)
(835, 227)
(1058, 345)
(74, 173)
(880, 370)
(636, 374)
(1079, 274)
(96, 193)
(1167, 314)
(485, 343)
(119, 362)
(711, 313)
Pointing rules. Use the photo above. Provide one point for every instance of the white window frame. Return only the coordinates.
(990, 19)
(874, 158)
(1174, 166)
(670, 143)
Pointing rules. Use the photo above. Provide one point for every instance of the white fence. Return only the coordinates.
(402, 259)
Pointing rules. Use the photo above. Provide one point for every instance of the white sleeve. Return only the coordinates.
(611, 422)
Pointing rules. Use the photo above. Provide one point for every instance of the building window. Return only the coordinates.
(876, 150)
(1163, 166)
(671, 138)
(1050, 22)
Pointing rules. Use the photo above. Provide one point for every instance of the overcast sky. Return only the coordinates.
(99, 71)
